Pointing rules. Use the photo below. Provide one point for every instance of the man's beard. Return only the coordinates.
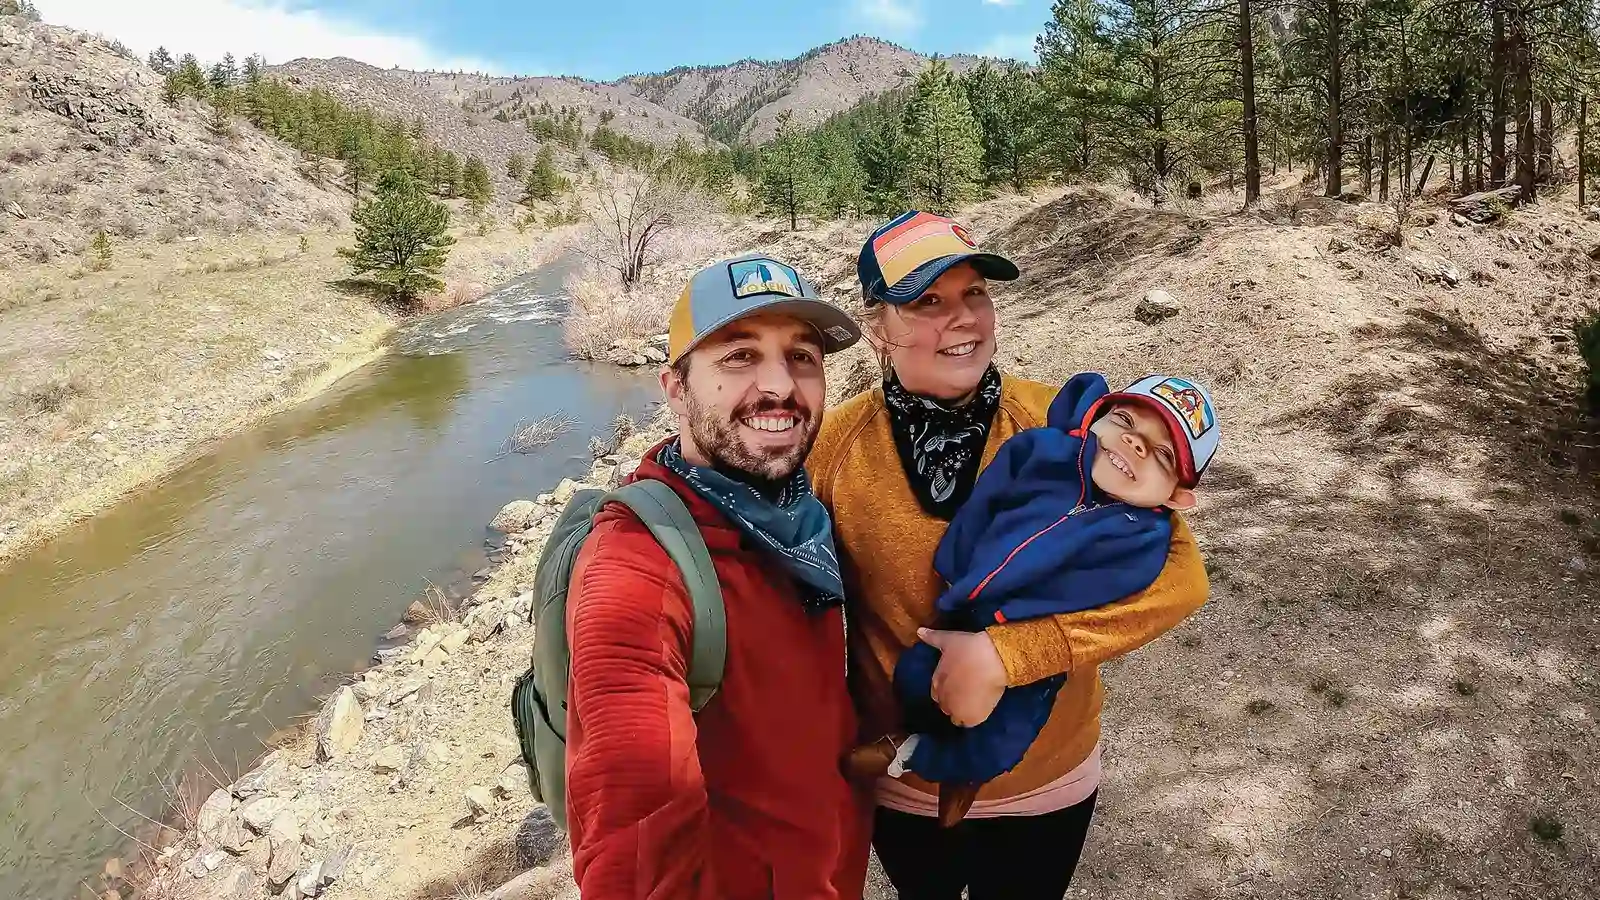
(765, 469)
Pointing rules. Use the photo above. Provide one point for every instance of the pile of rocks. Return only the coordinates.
(279, 831)
(626, 352)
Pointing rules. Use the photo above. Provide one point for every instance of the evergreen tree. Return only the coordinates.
(162, 61)
(1006, 104)
(544, 182)
(878, 149)
(402, 239)
(943, 156)
(1071, 59)
(355, 148)
(253, 64)
(475, 184)
(190, 79)
(449, 173)
(516, 167)
(842, 181)
(789, 184)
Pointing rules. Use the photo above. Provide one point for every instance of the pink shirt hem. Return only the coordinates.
(1069, 790)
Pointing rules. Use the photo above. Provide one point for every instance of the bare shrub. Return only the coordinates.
(128, 226)
(39, 248)
(455, 293)
(628, 220)
(60, 187)
(530, 436)
(53, 395)
(167, 233)
(25, 152)
(603, 313)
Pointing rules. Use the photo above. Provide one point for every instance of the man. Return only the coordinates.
(745, 798)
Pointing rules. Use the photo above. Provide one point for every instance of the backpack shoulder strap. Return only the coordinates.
(662, 511)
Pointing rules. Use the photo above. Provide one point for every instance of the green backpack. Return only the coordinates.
(539, 701)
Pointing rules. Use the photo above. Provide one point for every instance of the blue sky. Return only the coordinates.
(600, 40)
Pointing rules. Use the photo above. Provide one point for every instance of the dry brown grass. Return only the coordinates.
(602, 313)
(456, 293)
(201, 318)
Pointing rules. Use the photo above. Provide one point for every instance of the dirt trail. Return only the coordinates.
(1393, 690)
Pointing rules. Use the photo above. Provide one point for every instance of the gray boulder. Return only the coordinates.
(340, 725)
(538, 839)
(518, 515)
(1487, 206)
(259, 814)
(1156, 306)
(217, 810)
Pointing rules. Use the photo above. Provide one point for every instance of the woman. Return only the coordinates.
(893, 465)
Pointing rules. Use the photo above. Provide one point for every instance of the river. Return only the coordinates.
(182, 627)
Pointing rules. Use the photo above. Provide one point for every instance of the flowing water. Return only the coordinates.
(182, 627)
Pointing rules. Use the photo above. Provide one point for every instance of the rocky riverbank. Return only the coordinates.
(409, 782)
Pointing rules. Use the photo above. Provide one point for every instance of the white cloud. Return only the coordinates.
(1011, 46)
(273, 28)
(1001, 2)
(897, 17)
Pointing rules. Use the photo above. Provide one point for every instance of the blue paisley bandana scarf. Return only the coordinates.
(794, 527)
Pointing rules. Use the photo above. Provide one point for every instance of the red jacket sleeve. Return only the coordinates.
(636, 797)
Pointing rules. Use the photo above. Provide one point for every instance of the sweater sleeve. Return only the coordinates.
(1052, 645)
(635, 792)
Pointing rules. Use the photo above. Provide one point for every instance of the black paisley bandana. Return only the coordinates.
(941, 447)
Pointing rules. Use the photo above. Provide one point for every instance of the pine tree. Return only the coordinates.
(101, 247)
(191, 80)
(161, 61)
(878, 149)
(516, 167)
(1072, 58)
(355, 148)
(1006, 104)
(449, 175)
(789, 184)
(943, 156)
(402, 239)
(842, 181)
(475, 184)
(544, 182)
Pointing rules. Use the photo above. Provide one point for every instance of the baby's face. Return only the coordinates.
(1136, 462)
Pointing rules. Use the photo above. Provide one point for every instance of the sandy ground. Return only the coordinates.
(109, 379)
(1392, 692)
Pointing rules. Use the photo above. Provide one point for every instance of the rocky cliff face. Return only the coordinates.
(87, 144)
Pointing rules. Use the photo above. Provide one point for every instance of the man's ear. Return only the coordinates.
(673, 389)
(1182, 499)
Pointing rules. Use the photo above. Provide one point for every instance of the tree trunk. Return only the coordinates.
(1522, 98)
(1247, 70)
(1335, 185)
(1383, 170)
(1366, 165)
(1422, 180)
(1497, 84)
(1158, 153)
(1583, 135)
(1479, 173)
(1466, 157)
(1547, 142)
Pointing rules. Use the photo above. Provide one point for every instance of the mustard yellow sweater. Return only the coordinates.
(887, 544)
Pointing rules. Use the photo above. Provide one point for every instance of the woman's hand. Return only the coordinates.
(970, 677)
